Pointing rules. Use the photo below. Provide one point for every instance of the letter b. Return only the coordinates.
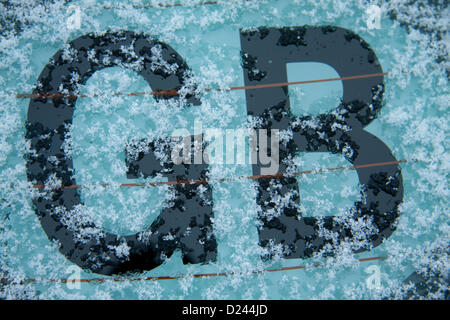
(265, 53)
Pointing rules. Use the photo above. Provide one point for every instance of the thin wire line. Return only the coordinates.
(175, 92)
(236, 179)
(197, 276)
(159, 5)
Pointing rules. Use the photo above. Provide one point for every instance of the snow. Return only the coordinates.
(413, 122)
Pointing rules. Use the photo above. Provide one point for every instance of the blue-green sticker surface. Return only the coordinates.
(92, 207)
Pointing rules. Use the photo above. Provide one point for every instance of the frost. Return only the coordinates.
(412, 46)
(122, 250)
